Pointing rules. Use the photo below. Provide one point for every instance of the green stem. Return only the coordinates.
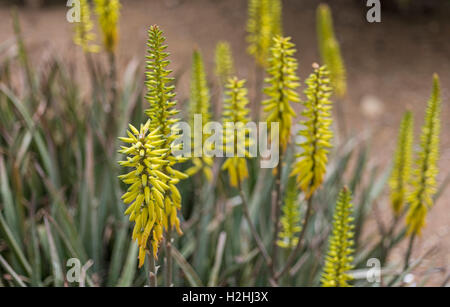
(409, 251)
(277, 210)
(152, 269)
(169, 258)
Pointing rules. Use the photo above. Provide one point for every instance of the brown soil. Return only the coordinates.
(390, 65)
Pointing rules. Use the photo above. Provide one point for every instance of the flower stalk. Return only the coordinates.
(426, 169)
(281, 91)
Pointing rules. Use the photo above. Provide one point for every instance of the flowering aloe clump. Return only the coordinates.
(281, 89)
(401, 172)
(236, 112)
(83, 29)
(147, 186)
(426, 169)
(108, 12)
(339, 257)
(311, 166)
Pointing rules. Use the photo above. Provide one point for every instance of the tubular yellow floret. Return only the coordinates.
(339, 257)
(400, 178)
(426, 169)
(311, 166)
(281, 87)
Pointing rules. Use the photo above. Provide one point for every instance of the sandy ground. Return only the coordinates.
(390, 65)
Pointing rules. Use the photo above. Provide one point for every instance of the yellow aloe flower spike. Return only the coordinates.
(310, 167)
(200, 96)
(160, 96)
(330, 51)
(426, 168)
(276, 9)
(200, 104)
(281, 87)
(236, 112)
(290, 221)
(83, 29)
(339, 257)
(108, 12)
(144, 158)
(401, 172)
(224, 62)
(264, 22)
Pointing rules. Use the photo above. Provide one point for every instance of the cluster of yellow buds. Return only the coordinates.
(148, 185)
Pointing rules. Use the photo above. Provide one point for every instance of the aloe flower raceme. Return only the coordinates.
(264, 22)
(330, 51)
(290, 221)
(276, 9)
(145, 194)
(200, 105)
(426, 169)
(401, 173)
(83, 29)
(281, 89)
(224, 62)
(108, 12)
(236, 140)
(310, 167)
(160, 96)
(339, 257)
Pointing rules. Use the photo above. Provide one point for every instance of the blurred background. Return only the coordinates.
(389, 64)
